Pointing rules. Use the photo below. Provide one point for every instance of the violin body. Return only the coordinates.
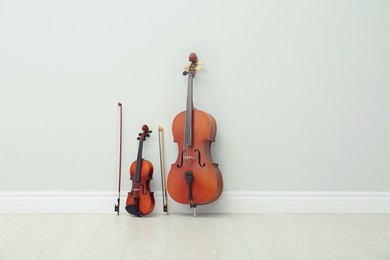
(142, 188)
(207, 183)
(140, 200)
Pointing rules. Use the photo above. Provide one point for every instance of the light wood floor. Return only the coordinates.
(208, 236)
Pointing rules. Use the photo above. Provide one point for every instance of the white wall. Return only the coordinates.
(300, 90)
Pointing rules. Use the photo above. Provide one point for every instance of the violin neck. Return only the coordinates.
(137, 176)
(190, 106)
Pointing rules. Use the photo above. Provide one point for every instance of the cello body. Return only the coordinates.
(194, 178)
(207, 184)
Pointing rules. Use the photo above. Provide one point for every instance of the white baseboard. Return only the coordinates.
(229, 202)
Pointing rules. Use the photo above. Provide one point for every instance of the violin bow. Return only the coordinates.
(117, 206)
(162, 167)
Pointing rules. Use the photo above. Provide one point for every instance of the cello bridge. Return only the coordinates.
(187, 157)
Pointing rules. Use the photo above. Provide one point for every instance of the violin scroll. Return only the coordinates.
(146, 133)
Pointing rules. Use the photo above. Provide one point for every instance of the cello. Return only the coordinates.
(194, 178)
(140, 200)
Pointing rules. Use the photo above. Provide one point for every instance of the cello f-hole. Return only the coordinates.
(182, 159)
(199, 159)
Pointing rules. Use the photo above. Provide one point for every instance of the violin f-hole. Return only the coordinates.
(142, 189)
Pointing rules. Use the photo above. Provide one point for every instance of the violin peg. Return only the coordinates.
(199, 67)
(150, 131)
(138, 138)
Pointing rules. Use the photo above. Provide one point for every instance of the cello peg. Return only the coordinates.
(196, 68)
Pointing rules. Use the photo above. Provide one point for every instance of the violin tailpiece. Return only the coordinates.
(134, 209)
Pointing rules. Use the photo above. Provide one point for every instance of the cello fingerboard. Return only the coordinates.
(188, 126)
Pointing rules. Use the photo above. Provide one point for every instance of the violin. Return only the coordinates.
(194, 178)
(140, 200)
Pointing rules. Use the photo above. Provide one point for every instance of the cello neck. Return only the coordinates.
(190, 106)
